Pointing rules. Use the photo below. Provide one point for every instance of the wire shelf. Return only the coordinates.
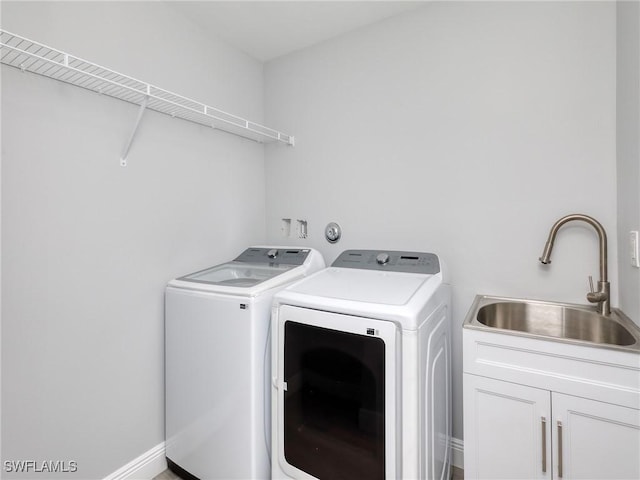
(34, 57)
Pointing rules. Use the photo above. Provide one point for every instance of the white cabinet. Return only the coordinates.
(536, 409)
(506, 430)
(518, 432)
(595, 440)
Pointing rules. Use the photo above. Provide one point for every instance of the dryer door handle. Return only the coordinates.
(277, 385)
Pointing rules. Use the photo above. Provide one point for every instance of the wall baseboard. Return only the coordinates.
(457, 452)
(148, 465)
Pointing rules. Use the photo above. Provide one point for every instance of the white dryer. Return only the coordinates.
(361, 370)
(218, 361)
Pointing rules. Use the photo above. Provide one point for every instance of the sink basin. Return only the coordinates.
(565, 322)
(555, 321)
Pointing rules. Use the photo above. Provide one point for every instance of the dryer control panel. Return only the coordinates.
(389, 260)
(273, 255)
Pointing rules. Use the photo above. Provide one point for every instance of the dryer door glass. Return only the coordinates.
(334, 403)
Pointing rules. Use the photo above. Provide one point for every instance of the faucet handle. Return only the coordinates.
(591, 284)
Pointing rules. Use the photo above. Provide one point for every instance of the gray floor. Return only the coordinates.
(167, 475)
(458, 474)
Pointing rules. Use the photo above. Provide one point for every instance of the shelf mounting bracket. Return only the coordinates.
(125, 154)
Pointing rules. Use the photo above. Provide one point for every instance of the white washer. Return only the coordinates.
(361, 370)
(218, 360)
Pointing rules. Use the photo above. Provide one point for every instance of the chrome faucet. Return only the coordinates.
(602, 297)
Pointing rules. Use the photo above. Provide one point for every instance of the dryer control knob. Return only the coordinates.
(272, 253)
(382, 258)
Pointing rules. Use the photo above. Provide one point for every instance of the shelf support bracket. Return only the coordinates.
(125, 154)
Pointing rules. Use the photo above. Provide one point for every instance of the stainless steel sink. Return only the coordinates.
(564, 322)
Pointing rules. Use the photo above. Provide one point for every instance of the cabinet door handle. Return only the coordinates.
(559, 449)
(543, 426)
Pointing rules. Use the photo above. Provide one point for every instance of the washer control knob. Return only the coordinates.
(382, 258)
(273, 253)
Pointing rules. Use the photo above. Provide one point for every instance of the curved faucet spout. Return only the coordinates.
(602, 296)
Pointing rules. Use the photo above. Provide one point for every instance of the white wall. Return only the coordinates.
(87, 246)
(464, 129)
(628, 149)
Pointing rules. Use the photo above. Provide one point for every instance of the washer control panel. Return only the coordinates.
(389, 260)
(282, 256)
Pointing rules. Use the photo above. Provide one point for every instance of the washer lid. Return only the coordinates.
(255, 271)
(237, 274)
(365, 286)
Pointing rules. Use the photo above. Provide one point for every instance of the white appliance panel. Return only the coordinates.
(205, 335)
(436, 429)
(364, 286)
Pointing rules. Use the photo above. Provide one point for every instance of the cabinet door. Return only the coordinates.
(506, 430)
(595, 440)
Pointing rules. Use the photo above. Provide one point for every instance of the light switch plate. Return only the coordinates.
(634, 249)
